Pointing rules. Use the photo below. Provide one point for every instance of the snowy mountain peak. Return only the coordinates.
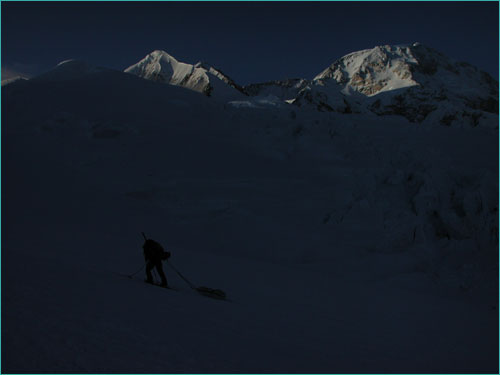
(387, 68)
(159, 66)
(161, 54)
(411, 80)
(375, 70)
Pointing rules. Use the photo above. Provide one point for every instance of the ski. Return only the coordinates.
(161, 286)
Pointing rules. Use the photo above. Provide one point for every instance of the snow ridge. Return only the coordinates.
(8, 81)
(70, 69)
(159, 66)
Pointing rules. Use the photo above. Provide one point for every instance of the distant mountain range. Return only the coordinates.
(413, 81)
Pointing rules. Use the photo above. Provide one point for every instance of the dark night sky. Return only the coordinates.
(251, 42)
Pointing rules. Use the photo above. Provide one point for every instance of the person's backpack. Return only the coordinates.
(153, 250)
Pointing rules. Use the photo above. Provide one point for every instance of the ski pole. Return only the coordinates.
(140, 269)
(135, 273)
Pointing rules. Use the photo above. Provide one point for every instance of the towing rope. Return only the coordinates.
(180, 274)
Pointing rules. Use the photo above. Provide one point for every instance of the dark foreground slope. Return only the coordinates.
(346, 243)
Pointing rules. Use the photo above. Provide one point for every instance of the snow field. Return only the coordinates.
(321, 229)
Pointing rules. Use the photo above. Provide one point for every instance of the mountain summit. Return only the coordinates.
(374, 70)
(159, 66)
(387, 68)
(414, 81)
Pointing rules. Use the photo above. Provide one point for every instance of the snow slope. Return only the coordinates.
(12, 80)
(159, 66)
(345, 243)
